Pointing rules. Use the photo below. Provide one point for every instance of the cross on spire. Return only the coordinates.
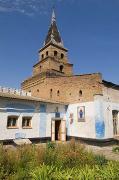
(53, 16)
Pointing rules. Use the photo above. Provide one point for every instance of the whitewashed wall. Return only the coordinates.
(111, 102)
(46, 117)
(41, 121)
(5, 111)
(85, 129)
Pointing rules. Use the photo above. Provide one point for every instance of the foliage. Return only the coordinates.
(51, 145)
(116, 149)
(100, 160)
(67, 161)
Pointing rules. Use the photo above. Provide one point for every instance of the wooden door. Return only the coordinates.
(63, 130)
(53, 130)
(115, 122)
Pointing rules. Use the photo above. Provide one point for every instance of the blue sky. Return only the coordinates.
(89, 29)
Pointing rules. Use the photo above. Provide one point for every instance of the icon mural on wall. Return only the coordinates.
(71, 118)
(81, 113)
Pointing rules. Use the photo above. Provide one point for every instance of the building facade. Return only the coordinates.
(54, 104)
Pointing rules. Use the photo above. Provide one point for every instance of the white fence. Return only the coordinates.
(14, 91)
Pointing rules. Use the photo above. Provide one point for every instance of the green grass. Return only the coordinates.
(55, 162)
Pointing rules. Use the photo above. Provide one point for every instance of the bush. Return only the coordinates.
(51, 145)
(100, 160)
(116, 149)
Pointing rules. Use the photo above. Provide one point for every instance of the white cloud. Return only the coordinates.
(28, 7)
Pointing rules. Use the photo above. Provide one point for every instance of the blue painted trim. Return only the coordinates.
(99, 119)
(43, 120)
(19, 107)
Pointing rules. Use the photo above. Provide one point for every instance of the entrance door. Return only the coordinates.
(115, 122)
(58, 130)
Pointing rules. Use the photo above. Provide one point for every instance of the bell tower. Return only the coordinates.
(53, 59)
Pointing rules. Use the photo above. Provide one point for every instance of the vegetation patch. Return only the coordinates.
(116, 149)
(68, 161)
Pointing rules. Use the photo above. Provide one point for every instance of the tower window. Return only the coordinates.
(37, 90)
(42, 56)
(61, 68)
(55, 53)
(51, 93)
(62, 56)
(80, 93)
(46, 53)
(58, 93)
(40, 68)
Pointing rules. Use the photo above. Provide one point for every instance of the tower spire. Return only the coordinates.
(53, 16)
(53, 35)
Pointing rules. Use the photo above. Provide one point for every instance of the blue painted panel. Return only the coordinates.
(43, 120)
(42, 108)
(99, 119)
(100, 129)
(57, 114)
(19, 107)
(20, 135)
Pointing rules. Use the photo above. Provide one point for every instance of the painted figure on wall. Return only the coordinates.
(81, 113)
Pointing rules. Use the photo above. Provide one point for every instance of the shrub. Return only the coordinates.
(116, 149)
(51, 145)
(100, 160)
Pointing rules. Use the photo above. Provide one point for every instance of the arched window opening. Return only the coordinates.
(57, 109)
(51, 91)
(46, 53)
(40, 68)
(57, 113)
(80, 93)
(42, 56)
(58, 93)
(37, 90)
(55, 53)
(61, 68)
(62, 55)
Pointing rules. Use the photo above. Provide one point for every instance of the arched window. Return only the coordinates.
(51, 93)
(61, 68)
(40, 68)
(58, 93)
(62, 55)
(80, 93)
(55, 53)
(46, 53)
(37, 90)
(42, 56)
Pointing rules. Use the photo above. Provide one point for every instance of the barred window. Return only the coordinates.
(12, 121)
(26, 122)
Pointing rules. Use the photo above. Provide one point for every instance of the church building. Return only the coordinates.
(56, 105)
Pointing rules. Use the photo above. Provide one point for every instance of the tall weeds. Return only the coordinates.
(68, 161)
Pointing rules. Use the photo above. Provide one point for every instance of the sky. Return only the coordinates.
(89, 29)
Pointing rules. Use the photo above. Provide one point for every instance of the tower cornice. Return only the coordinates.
(55, 45)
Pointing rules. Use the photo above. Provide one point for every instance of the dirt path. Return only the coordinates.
(106, 151)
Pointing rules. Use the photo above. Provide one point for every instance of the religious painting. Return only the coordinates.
(71, 117)
(81, 113)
